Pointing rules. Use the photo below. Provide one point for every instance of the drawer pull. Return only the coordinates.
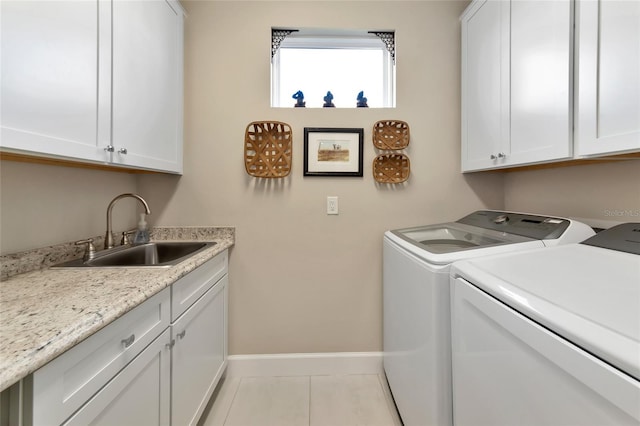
(129, 340)
(182, 334)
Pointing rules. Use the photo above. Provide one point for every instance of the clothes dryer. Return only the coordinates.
(416, 324)
(550, 336)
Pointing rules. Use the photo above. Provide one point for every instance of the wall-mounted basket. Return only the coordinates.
(390, 134)
(391, 168)
(267, 149)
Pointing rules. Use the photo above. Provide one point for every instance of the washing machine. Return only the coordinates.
(416, 304)
(550, 336)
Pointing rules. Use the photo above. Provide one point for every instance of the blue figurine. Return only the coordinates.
(327, 101)
(299, 97)
(362, 101)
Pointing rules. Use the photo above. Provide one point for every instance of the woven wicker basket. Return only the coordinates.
(391, 134)
(391, 168)
(267, 149)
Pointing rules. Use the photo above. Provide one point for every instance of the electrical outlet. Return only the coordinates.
(332, 205)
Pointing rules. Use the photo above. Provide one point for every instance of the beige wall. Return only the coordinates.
(601, 194)
(302, 281)
(44, 205)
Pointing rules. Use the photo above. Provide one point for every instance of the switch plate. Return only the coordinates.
(332, 205)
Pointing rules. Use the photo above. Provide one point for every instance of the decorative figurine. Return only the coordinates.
(327, 101)
(362, 101)
(299, 97)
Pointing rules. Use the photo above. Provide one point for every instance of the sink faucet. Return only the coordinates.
(108, 238)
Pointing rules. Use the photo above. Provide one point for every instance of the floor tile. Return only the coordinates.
(270, 401)
(349, 401)
(218, 408)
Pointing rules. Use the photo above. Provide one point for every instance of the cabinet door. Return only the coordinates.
(608, 113)
(485, 79)
(49, 78)
(199, 355)
(63, 385)
(147, 84)
(541, 78)
(139, 395)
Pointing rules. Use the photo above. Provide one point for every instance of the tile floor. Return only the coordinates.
(346, 400)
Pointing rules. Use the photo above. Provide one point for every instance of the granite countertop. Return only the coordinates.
(45, 312)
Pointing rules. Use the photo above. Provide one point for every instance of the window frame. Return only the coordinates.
(334, 41)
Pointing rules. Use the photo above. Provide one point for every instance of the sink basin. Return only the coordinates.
(154, 254)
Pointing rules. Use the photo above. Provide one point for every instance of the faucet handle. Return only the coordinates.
(126, 237)
(90, 250)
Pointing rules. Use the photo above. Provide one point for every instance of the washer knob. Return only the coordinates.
(503, 218)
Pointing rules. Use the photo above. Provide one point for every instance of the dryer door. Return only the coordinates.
(508, 370)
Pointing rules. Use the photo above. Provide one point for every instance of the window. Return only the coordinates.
(342, 62)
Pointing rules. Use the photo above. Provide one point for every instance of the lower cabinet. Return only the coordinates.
(199, 355)
(155, 365)
(138, 395)
(56, 391)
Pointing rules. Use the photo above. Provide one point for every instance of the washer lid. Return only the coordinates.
(453, 237)
(588, 295)
(446, 243)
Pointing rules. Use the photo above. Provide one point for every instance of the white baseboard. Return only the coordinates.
(306, 364)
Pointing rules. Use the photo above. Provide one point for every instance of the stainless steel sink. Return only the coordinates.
(154, 254)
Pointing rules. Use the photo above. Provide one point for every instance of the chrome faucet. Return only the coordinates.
(108, 238)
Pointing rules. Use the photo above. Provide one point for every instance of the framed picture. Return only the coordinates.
(333, 152)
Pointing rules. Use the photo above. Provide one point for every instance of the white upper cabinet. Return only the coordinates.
(50, 70)
(94, 81)
(608, 77)
(147, 84)
(516, 83)
(541, 81)
(485, 108)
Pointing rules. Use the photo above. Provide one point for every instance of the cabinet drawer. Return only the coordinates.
(189, 288)
(138, 395)
(66, 383)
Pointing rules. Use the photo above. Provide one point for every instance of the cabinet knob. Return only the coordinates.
(493, 157)
(129, 340)
(109, 148)
(182, 334)
(122, 151)
(502, 155)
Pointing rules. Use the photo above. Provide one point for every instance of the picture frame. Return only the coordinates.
(333, 151)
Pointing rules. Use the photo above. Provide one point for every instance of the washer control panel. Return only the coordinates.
(526, 225)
